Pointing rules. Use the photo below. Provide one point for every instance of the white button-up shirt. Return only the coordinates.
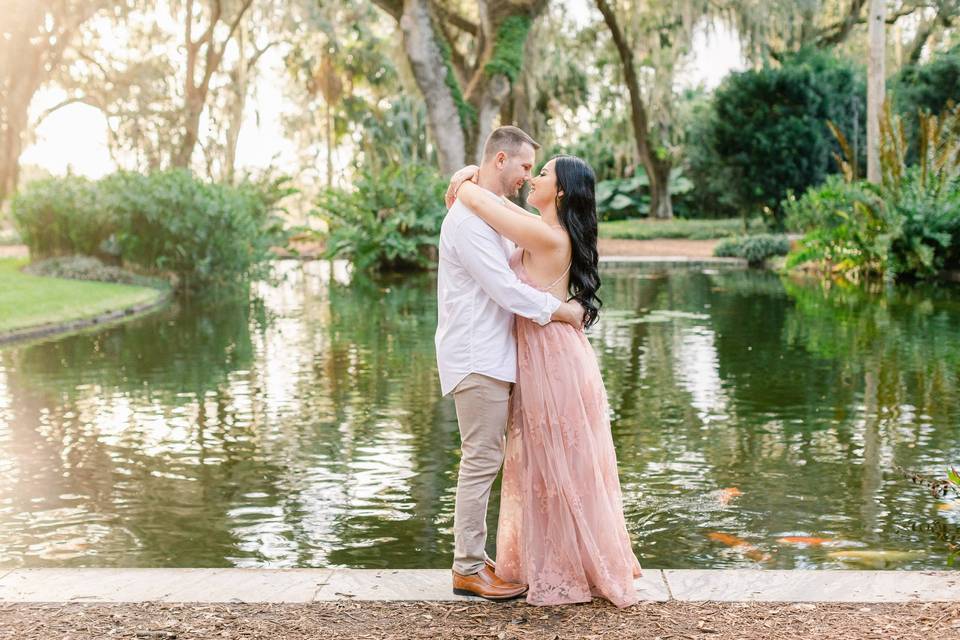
(477, 296)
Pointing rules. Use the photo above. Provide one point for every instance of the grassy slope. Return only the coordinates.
(27, 301)
(646, 229)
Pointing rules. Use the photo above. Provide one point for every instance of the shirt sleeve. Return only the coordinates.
(481, 254)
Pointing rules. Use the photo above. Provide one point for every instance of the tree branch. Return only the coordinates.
(84, 99)
(393, 7)
(455, 19)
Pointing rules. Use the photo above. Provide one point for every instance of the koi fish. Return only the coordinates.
(748, 549)
(875, 558)
(728, 494)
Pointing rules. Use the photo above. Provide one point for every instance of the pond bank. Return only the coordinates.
(297, 604)
(34, 306)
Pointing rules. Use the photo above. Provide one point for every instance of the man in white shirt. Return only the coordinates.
(477, 296)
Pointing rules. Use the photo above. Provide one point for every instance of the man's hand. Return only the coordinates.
(570, 312)
(469, 172)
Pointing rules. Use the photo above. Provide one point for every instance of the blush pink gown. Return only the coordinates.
(561, 527)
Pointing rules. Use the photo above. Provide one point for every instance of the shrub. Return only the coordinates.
(388, 221)
(907, 226)
(169, 222)
(89, 268)
(768, 128)
(754, 249)
(925, 87)
(62, 216)
(205, 233)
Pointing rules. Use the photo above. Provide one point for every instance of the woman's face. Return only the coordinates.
(543, 186)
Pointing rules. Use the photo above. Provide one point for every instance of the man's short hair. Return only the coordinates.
(508, 139)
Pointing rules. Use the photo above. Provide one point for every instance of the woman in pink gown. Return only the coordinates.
(561, 528)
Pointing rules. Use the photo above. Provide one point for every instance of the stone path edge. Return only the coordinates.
(669, 260)
(240, 585)
(109, 317)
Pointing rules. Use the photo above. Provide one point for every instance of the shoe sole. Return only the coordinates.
(465, 592)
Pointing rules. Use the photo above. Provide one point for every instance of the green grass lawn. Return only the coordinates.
(27, 301)
(647, 229)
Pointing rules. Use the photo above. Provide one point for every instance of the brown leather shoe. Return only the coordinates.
(486, 584)
(490, 563)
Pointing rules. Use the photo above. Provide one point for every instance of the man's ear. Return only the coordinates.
(501, 159)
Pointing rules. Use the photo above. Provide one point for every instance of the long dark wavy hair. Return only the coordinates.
(577, 211)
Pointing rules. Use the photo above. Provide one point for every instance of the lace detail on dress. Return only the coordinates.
(562, 529)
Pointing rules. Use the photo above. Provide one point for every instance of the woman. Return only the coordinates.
(561, 528)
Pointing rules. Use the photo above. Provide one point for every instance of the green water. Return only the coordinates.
(304, 428)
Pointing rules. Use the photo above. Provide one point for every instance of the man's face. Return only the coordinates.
(515, 169)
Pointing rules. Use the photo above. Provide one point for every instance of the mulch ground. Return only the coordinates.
(515, 620)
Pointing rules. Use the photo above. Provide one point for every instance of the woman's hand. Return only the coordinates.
(469, 172)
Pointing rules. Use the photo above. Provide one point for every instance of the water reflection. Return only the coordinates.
(303, 427)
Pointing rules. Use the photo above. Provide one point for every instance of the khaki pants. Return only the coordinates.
(482, 406)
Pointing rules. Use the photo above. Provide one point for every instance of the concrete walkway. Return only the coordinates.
(311, 585)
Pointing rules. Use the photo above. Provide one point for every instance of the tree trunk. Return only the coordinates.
(195, 93)
(875, 86)
(458, 123)
(329, 123)
(25, 66)
(430, 71)
(657, 168)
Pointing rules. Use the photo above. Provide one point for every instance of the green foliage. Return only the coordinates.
(768, 128)
(507, 56)
(466, 111)
(204, 234)
(907, 226)
(926, 87)
(62, 216)
(630, 197)
(388, 221)
(89, 268)
(712, 195)
(754, 249)
(648, 229)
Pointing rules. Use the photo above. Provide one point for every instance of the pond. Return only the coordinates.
(304, 427)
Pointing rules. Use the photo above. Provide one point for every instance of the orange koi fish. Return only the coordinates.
(728, 494)
(733, 541)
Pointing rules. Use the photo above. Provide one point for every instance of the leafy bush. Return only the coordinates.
(816, 208)
(768, 129)
(388, 221)
(62, 216)
(926, 87)
(170, 222)
(754, 249)
(907, 226)
(89, 268)
(205, 233)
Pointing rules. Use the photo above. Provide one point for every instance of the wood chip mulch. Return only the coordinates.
(402, 620)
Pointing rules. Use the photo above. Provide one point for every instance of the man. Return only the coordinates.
(478, 295)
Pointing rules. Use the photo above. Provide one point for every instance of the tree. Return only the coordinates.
(204, 56)
(35, 37)
(154, 84)
(875, 86)
(463, 67)
(662, 36)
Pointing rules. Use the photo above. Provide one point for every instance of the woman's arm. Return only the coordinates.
(525, 229)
